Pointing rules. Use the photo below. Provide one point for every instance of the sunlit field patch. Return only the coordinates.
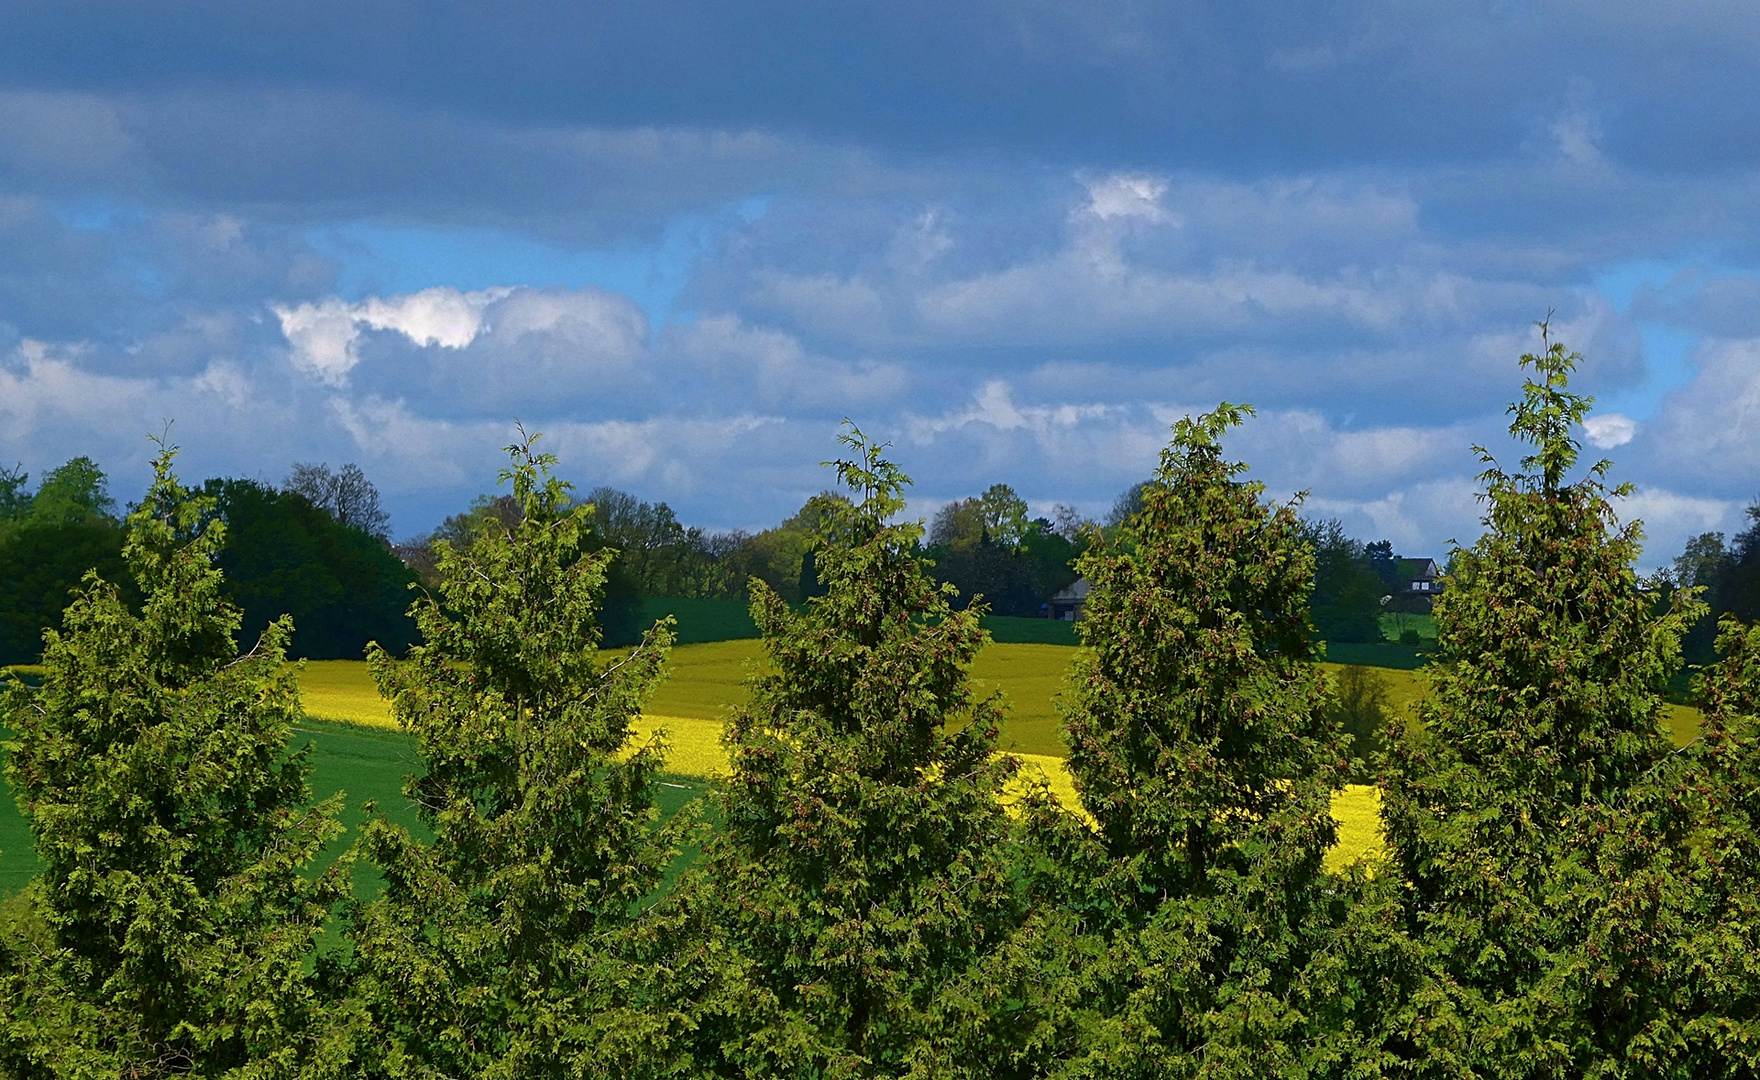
(343, 690)
(1357, 809)
(693, 746)
(707, 680)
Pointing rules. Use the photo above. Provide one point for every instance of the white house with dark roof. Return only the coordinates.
(1067, 604)
(1421, 576)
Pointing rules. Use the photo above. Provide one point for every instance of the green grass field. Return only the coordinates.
(698, 621)
(1424, 624)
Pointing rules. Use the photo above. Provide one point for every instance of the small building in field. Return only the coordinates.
(1421, 576)
(1067, 604)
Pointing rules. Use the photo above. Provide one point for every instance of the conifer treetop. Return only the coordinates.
(541, 805)
(1548, 413)
(172, 545)
(1554, 661)
(172, 818)
(1527, 812)
(861, 868)
(1193, 712)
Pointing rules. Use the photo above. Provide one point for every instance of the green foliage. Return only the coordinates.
(1736, 588)
(1716, 967)
(657, 557)
(1730, 576)
(1051, 557)
(76, 493)
(1523, 813)
(778, 556)
(988, 574)
(988, 550)
(510, 946)
(40, 569)
(860, 867)
(284, 556)
(999, 516)
(1346, 601)
(661, 556)
(1564, 893)
(1200, 743)
(170, 926)
(1359, 707)
(15, 501)
(1195, 706)
(48, 540)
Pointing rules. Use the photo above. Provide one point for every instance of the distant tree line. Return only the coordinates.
(878, 893)
(1729, 575)
(985, 546)
(314, 549)
(49, 539)
(988, 546)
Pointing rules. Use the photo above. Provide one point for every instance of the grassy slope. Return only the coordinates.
(362, 762)
(699, 621)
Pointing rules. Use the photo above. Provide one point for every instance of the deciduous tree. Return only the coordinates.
(283, 556)
(345, 494)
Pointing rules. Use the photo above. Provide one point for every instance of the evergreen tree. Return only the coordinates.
(174, 914)
(1201, 745)
(860, 867)
(1523, 814)
(1715, 962)
(509, 946)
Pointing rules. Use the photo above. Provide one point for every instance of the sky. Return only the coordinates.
(1018, 241)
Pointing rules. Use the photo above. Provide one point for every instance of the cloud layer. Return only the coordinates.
(1017, 241)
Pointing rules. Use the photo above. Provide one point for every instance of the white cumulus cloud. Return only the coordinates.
(324, 336)
(1610, 430)
(1125, 196)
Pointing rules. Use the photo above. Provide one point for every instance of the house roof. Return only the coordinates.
(1418, 568)
(1076, 591)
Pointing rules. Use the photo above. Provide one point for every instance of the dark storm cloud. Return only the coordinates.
(1213, 84)
(1019, 238)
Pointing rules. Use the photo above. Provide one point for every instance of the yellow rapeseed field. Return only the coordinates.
(706, 681)
(342, 690)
